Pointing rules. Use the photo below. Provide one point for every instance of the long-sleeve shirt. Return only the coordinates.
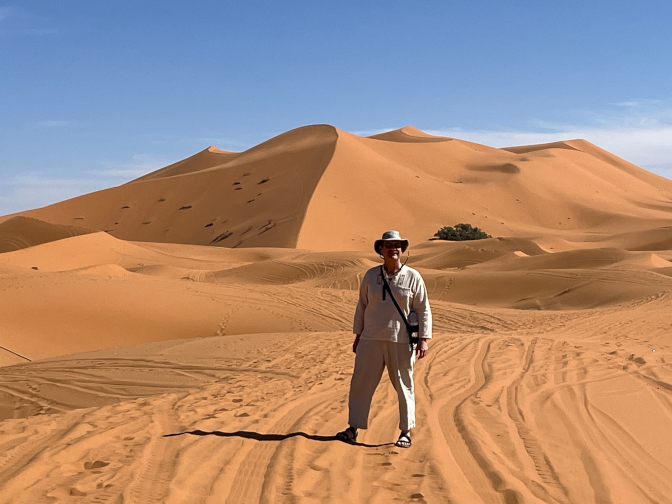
(379, 319)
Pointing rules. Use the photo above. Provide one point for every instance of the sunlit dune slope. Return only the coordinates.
(20, 232)
(208, 158)
(440, 254)
(645, 239)
(321, 188)
(420, 186)
(409, 134)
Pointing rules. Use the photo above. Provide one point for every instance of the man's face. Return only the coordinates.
(392, 249)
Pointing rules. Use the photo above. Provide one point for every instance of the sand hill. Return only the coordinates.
(310, 187)
(21, 232)
(199, 350)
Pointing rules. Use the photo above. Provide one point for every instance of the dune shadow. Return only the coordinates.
(258, 436)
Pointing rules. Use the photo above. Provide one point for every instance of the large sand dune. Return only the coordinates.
(198, 351)
(309, 188)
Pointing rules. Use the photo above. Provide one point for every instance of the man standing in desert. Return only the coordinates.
(382, 338)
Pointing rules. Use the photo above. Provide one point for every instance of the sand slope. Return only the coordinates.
(257, 198)
(421, 186)
(21, 232)
(309, 187)
(95, 291)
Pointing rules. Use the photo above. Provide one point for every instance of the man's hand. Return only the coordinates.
(422, 348)
(354, 345)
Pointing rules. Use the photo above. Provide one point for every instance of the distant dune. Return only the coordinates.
(312, 187)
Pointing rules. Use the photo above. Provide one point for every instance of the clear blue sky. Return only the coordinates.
(93, 94)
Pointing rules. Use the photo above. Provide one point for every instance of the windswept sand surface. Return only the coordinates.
(147, 371)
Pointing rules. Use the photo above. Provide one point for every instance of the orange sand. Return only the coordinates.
(141, 365)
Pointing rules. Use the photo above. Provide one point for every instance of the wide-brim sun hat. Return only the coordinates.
(391, 235)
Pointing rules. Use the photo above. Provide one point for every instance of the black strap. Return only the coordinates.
(387, 287)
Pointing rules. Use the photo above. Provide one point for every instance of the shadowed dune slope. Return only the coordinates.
(20, 232)
(320, 188)
(256, 198)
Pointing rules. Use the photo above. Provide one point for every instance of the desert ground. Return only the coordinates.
(186, 337)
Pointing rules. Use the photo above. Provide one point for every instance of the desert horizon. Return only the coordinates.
(185, 336)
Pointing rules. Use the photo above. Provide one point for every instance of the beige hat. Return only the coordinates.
(391, 235)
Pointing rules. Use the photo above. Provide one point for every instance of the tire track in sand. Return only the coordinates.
(157, 465)
(453, 454)
(496, 481)
(543, 466)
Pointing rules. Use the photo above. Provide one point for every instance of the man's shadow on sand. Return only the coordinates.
(257, 436)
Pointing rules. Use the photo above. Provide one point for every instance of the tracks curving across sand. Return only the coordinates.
(505, 415)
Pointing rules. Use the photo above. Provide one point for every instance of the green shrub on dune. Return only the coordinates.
(461, 232)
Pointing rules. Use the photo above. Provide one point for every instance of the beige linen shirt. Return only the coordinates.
(378, 319)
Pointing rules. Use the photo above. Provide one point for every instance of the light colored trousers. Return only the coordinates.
(372, 358)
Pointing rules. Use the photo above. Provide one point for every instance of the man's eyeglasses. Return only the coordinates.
(392, 245)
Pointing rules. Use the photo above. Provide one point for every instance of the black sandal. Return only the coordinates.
(349, 435)
(404, 440)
